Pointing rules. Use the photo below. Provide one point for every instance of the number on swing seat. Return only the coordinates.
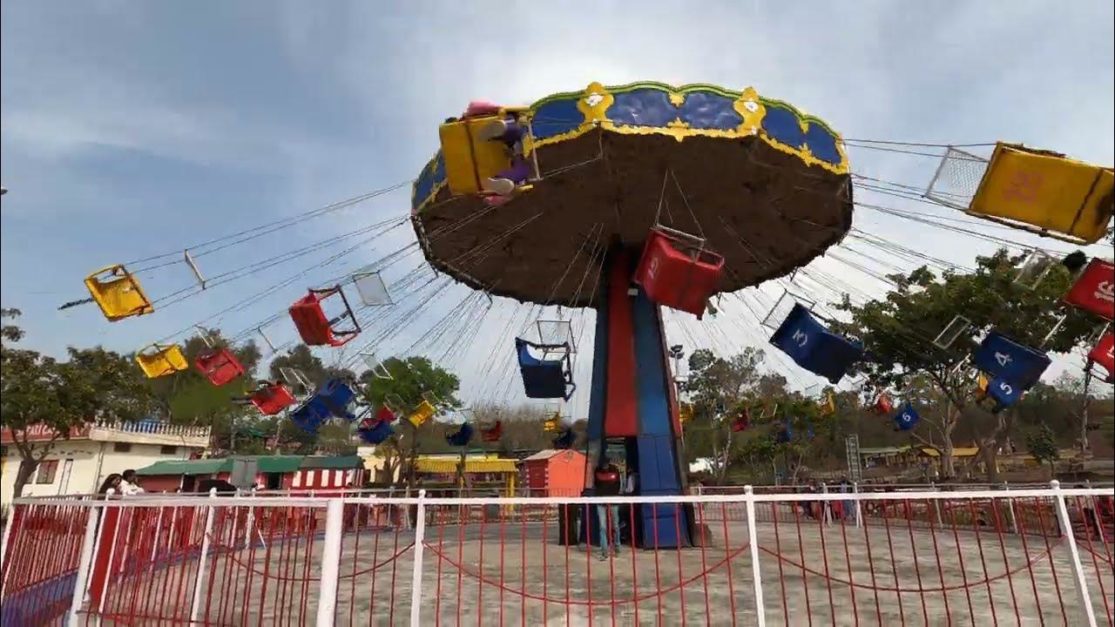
(118, 293)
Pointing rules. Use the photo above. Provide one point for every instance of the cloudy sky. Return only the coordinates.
(132, 129)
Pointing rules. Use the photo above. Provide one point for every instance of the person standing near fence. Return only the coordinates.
(607, 483)
(129, 485)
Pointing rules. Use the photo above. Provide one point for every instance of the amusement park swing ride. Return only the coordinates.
(633, 200)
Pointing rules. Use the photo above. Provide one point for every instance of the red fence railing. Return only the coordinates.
(1018, 557)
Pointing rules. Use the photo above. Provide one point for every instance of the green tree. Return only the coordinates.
(898, 331)
(40, 392)
(189, 398)
(718, 389)
(1043, 446)
(403, 384)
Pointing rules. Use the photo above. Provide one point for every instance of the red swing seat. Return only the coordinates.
(676, 271)
(272, 398)
(314, 327)
(220, 366)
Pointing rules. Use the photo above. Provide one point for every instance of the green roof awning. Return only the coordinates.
(186, 467)
(337, 463)
(278, 463)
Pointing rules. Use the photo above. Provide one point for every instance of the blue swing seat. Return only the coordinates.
(460, 437)
(330, 401)
(814, 347)
(907, 417)
(545, 378)
(565, 440)
(310, 415)
(337, 395)
(1003, 358)
(377, 434)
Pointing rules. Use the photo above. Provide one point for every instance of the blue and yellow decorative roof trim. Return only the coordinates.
(650, 108)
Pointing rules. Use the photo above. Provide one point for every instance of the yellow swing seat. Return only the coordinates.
(160, 360)
(422, 413)
(1045, 192)
(469, 160)
(118, 293)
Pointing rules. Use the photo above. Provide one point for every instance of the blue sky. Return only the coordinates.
(138, 128)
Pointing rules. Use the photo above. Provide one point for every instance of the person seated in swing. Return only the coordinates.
(508, 131)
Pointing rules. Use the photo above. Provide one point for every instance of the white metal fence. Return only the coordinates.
(1041, 555)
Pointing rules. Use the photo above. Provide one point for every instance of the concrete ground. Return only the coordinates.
(896, 578)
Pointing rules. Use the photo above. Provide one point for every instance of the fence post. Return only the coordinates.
(158, 530)
(1010, 510)
(1095, 513)
(85, 563)
(195, 605)
(753, 544)
(826, 510)
(331, 562)
(7, 538)
(416, 577)
(936, 505)
(249, 521)
(104, 562)
(859, 510)
(1077, 568)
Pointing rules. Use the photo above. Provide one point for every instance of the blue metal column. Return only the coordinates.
(659, 454)
(654, 452)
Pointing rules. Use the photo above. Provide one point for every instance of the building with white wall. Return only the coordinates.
(79, 464)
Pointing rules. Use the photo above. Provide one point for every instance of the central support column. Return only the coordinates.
(633, 402)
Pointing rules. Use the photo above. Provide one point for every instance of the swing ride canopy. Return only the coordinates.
(766, 186)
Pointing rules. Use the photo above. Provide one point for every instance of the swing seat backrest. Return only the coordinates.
(1047, 193)
(813, 347)
(470, 160)
(1103, 353)
(544, 378)
(565, 440)
(461, 437)
(219, 366)
(310, 415)
(883, 404)
(1003, 358)
(1093, 289)
(336, 396)
(118, 293)
(422, 413)
(376, 434)
(384, 414)
(272, 398)
(493, 433)
(160, 360)
(677, 273)
(314, 327)
(1003, 393)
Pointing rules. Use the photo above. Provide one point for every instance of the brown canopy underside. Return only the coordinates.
(764, 210)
